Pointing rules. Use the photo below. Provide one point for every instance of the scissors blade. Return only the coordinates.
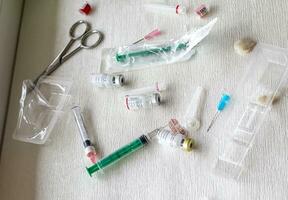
(51, 68)
(56, 62)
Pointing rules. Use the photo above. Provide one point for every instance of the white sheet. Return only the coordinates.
(56, 171)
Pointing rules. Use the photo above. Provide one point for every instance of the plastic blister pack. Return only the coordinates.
(261, 87)
(40, 108)
(141, 56)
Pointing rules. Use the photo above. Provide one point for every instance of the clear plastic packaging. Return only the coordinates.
(141, 56)
(262, 85)
(40, 108)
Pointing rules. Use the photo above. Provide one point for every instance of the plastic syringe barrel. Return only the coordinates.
(81, 126)
(118, 154)
(148, 52)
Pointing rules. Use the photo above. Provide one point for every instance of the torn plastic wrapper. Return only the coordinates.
(141, 56)
(40, 108)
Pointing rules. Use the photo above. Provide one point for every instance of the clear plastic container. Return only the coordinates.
(261, 86)
(40, 108)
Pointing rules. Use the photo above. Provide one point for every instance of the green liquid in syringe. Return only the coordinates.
(118, 154)
(153, 51)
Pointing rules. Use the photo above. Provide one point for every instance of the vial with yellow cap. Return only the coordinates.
(178, 140)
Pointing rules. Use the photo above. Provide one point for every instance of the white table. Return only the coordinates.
(56, 170)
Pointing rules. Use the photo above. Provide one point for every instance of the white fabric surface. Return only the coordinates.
(56, 170)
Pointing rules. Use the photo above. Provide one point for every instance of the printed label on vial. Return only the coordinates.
(135, 103)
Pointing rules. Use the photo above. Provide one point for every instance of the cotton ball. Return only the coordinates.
(244, 46)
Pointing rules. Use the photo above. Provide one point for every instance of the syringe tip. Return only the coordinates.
(152, 34)
(208, 129)
(92, 157)
(91, 154)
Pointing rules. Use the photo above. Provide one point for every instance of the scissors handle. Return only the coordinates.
(73, 30)
(84, 43)
(83, 37)
(55, 63)
(87, 35)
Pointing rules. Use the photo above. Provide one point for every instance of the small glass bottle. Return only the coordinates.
(160, 8)
(107, 80)
(178, 140)
(136, 102)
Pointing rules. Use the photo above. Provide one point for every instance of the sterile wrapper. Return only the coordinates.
(141, 56)
(40, 108)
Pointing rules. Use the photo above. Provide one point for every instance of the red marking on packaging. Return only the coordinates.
(126, 102)
(177, 9)
(157, 87)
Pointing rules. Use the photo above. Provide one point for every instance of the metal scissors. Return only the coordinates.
(64, 55)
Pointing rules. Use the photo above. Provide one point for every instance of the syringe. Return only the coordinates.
(153, 51)
(225, 99)
(124, 151)
(90, 151)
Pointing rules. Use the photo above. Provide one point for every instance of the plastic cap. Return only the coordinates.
(119, 80)
(160, 86)
(202, 10)
(91, 154)
(188, 144)
(194, 124)
(86, 9)
(152, 34)
(156, 99)
(180, 9)
(225, 99)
